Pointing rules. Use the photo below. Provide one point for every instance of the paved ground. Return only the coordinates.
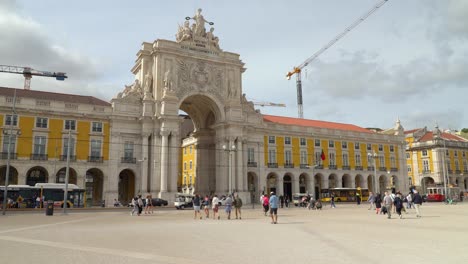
(347, 234)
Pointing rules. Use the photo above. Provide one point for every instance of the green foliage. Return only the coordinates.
(464, 130)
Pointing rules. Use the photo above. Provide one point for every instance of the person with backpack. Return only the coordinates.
(238, 205)
(398, 202)
(378, 203)
(417, 202)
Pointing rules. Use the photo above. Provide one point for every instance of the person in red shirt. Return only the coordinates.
(266, 204)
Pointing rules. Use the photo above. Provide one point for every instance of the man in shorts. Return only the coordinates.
(215, 206)
(196, 206)
(273, 208)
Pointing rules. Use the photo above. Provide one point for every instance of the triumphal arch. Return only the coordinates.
(195, 75)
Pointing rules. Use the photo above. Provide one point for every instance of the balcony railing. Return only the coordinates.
(450, 171)
(319, 167)
(4, 155)
(346, 167)
(458, 171)
(332, 167)
(127, 160)
(95, 159)
(39, 156)
(64, 158)
(426, 171)
(272, 165)
(251, 164)
(370, 168)
(382, 168)
(394, 169)
(360, 168)
(465, 171)
(304, 166)
(289, 165)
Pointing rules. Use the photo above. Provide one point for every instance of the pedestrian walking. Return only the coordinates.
(332, 201)
(358, 199)
(286, 201)
(398, 202)
(206, 206)
(134, 204)
(237, 206)
(371, 201)
(196, 206)
(215, 206)
(228, 206)
(149, 204)
(281, 200)
(388, 202)
(417, 202)
(273, 208)
(140, 205)
(409, 200)
(266, 204)
(378, 203)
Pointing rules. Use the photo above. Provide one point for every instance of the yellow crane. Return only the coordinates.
(28, 73)
(297, 70)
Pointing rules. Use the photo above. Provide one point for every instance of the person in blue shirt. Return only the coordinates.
(273, 208)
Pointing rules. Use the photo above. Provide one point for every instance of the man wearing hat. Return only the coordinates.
(273, 208)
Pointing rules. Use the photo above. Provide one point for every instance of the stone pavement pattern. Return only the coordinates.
(347, 234)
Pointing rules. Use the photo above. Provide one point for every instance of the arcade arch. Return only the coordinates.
(359, 181)
(346, 181)
(271, 183)
(287, 185)
(37, 174)
(94, 186)
(12, 178)
(126, 186)
(61, 175)
(332, 181)
(427, 182)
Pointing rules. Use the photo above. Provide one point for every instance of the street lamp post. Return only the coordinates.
(230, 149)
(444, 150)
(7, 174)
(67, 172)
(374, 157)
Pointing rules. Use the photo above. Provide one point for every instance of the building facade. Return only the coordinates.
(434, 155)
(235, 147)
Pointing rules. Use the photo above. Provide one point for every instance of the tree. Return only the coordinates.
(464, 130)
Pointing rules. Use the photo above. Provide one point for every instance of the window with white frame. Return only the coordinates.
(303, 142)
(424, 153)
(185, 180)
(446, 152)
(457, 165)
(12, 140)
(250, 155)
(463, 154)
(448, 165)
(185, 165)
(190, 165)
(128, 149)
(408, 156)
(345, 159)
(191, 179)
(382, 161)
(344, 145)
(287, 140)
(185, 151)
(271, 139)
(96, 127)
(426, 165)
(409, 168)
(392, 162)
(331, 156)
(96, 148)
(317, 143)
(380, 147)
(41, 122)
(465, 166)
(65, 146)
(331, 143)
(304, 157)
(356, 145)
(272, 156)
(287, 157)
(39, 145)
(369, 146)
(392, 148)
(190, 149)
(70, 124)
(318, 157)
(455, 153)
(357, 159)
(11, 120)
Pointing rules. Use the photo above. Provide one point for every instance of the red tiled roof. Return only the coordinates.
(72, 98)
(447, 136)
(313, 123)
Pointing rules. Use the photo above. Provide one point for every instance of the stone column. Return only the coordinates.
(174, 148)
(164, 160)
(279, 187)
(155, 166)
(240, 166)
(295, 184)
(144, 165)
(310, 186)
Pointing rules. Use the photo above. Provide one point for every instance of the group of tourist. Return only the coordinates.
(270, 203)
(138, 205)
(214, 202)
(394, 202)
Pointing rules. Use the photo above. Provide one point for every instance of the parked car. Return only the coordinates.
(159, 202)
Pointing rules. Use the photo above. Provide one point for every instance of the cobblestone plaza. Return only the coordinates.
(347, 234)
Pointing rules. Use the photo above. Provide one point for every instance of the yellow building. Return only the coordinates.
(432, 154)
(188, 174)
(41, 129)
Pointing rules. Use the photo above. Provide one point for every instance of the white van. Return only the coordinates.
(183, 201)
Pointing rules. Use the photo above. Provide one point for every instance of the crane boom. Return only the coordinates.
(297, 70)
(28, 72)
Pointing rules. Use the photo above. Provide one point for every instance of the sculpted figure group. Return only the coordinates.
(197, 30)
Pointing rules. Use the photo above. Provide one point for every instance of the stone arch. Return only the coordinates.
(37, 174)
(202, 107)
(383, 183)
(318, 185)
(252, 185)
(427, 182)
(346, 181)
(287, 185)
(333, 181)
(305, 183)
(359, 181)
(94, 186)
(61, 174)
(394, 182)
(13, 175)
(272, 183)
(126, 188)
(370, 183)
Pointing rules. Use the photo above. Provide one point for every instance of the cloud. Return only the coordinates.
(449, 119)
(26, 43)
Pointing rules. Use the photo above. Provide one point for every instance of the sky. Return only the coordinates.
(409, 60)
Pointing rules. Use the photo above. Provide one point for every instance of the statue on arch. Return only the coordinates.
(184, 32)
(212, 39)
(200, 30)
(168, 80)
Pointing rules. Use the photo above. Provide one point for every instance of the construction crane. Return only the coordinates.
(28, 73)
(262, 104)
(297, 70)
